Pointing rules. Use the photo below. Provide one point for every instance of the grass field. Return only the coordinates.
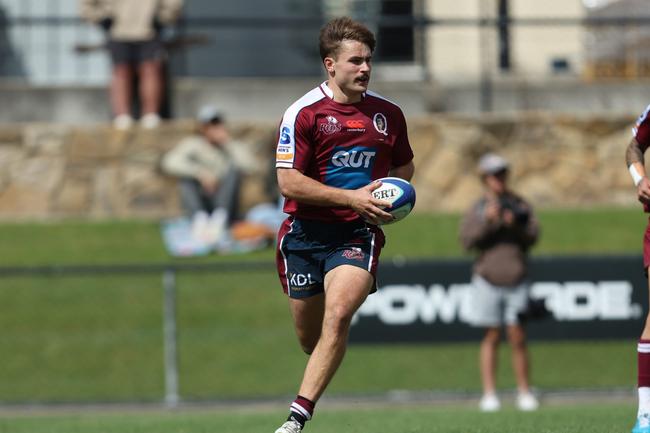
(586, 231)
(98, 338)
(567, 418)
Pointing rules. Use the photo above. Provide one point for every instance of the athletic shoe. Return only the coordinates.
(642, 424)
(290, 427)
(123, 122)
(527, 402)
(489, 403)
(150, 121)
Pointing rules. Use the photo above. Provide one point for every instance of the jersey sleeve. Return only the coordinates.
(641, 130)
(402, 152)
(294, 142)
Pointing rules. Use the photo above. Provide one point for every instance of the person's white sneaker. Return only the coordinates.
(527, 402)
(489, 403)
(150, 121)
(122, 122)
(290, 427)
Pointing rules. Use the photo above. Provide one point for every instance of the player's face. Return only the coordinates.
(351, 67)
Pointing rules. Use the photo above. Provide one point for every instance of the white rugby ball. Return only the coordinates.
(399, 193)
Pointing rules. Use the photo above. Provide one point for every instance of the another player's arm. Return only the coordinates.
(296, 186)
(403, 171)
(635, 163)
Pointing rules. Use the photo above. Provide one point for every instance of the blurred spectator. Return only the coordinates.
(501, 227)
(209, 166)
(133, 29)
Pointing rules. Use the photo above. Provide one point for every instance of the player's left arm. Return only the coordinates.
(403, 171)
(402, 157)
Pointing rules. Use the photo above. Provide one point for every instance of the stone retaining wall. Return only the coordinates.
(52, 171)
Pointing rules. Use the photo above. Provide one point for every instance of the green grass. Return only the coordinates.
(98, 338)
(568, 418)
(76, 339)
(593, 231)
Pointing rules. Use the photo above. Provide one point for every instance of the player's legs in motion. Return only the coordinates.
(488, 366)
(307, 316)
(643, 368)
(346, 287)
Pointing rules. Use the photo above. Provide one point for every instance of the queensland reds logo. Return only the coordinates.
(353, 254)
(331, 126)
(380, 123)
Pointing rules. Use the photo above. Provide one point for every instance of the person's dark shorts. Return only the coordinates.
(136, 52)
(307, 250)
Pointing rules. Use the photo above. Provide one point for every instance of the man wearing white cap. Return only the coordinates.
(209, 166)
(501, 227)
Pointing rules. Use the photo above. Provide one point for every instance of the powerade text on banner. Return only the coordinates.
(425, 301)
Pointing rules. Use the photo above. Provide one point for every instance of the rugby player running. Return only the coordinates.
(635, 162)
(334, 142)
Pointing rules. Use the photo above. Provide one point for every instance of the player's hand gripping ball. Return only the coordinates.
(399, 193)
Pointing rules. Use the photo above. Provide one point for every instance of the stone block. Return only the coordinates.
(73, 198)
(24, 201)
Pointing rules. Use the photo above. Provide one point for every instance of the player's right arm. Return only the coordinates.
(296, 186)
(635, 162)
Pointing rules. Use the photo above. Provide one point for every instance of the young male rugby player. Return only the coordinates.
(635, 163)
(333, 143)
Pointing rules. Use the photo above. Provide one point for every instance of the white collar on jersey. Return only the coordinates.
(330, 93)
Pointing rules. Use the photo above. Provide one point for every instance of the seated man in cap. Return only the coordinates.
(209, 166)
(501, 227)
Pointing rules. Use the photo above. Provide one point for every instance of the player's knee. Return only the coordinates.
(339, 319)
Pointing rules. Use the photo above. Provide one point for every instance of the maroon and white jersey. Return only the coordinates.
(642, 129)
(341, 145)
(641, 133)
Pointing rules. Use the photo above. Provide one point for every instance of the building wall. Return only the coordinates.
(535, 47)
(453, 52)
(460, 52)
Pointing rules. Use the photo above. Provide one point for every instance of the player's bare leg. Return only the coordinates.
(643, 369)
(488, 366)
(346, 287)
(521, 365)
(645, 335)
(307, 316)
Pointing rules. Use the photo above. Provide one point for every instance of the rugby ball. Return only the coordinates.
(399, 193)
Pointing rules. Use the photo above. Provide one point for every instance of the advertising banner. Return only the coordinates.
(588, 297)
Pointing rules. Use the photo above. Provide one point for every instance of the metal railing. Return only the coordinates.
(42, 39)
(169, 286)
